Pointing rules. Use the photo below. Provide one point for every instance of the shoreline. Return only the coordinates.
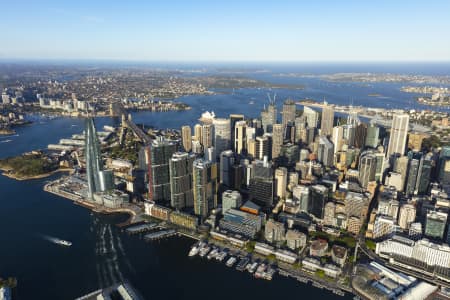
(78, 200)
(5, 172)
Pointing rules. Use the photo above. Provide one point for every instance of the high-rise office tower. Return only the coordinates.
(204, 176)
(227, 161)
(251, 147)
(234, 118)
(301, 194)
(326, 124)
(94, 162)
(337, 138)
(277, 140)
(367, 168)
(424, 174)
(444, 166)
(300, 129)
(198, 133)
(281, 182)
(160, 153)
(412, 172)
(207, 135)
(435, 224)
(269, 117)
(186, 137)
(231, 199)
(373, 135)
(222, 135)
(319, 196)
(399, 133)
(288, 112)
(240, 137)
(325, 153)
(261, 183)
(406, 216)
(360, 135)
(262, 147)
(180, 170)
(349, 133)
(289, 155)
(311, 115)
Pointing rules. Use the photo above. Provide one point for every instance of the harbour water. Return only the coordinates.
(101, 254)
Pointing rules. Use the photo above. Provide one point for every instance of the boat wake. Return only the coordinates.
(56, 240)
(108, 248)
(5, 141)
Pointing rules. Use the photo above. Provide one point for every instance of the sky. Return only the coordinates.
(228, 30)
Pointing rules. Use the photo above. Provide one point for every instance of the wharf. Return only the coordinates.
(141, 228)
(159, 235)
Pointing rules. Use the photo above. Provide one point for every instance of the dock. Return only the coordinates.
(141, 228)
(159, 235)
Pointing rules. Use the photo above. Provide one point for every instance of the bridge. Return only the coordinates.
(117, 109)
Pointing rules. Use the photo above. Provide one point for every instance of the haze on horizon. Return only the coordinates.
(201, 30)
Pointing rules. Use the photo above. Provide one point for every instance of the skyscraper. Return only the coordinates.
(240, 137)
(435, 224)
(198, 133)
(373, 135)
(399, 133)
(424, 174)
(262, 147)
(300, 129)
(326, 125)
(319, 196)
(234, 118)
(186, 137)
(325, 153)
(413, 172)
(222, 135)
(261, 183)
(288, 112)
(406, 216)
(227, 161)
(281, 182)
(180, 166)
(444, 166)
(207, 135)
(367, 168)
(311, 115)
(337, 138)
(94, 162)
(277, 140)
(160, 153)
(204, 186)
(301, 194)
(360, 135)
(269, 117)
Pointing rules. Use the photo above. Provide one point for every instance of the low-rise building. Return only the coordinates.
(339, 255)
(318, 248)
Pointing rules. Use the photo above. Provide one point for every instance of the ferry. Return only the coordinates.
(63, 242)
(230, 262)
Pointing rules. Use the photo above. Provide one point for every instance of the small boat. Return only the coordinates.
(63, 242)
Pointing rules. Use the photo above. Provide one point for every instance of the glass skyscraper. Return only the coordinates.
(94, 164)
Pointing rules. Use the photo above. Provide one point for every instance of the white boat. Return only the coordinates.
(194, 251)
(231, 261)
(63, 242)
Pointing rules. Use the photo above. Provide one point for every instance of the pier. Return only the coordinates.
(141, 228)
(159, 235)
